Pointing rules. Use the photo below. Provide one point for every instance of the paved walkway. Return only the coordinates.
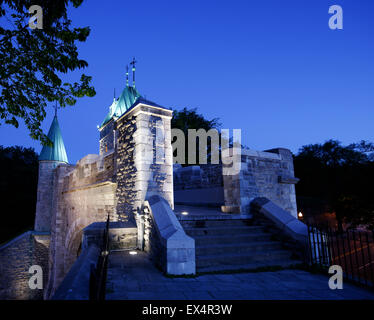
(134, 277)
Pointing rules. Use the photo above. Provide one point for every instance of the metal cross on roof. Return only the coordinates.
(133, 62)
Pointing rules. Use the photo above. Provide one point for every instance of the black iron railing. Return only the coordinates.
(352, 250)
(98, 273)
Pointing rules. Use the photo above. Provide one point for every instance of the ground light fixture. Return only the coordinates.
(184, 213)
(133, 252)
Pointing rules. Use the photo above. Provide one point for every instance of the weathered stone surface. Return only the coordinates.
(287, 179)
(165, 240)
(75, 285)
(259, 177)
(135, 161)
(121, 235)
(204, 196)
(107, 138)
(197, 177)
(16, 257)
(282, 219)
(44, 195)
(82, 194)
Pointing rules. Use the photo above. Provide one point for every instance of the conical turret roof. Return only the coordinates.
(127, 98)
(57, 152)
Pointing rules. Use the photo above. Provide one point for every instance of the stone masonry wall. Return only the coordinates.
(44, 195)
(126, 171)
(198, 177)
(16, 257)
(144, 158)
(107, 138)
(83, 194)
(152, 243)
(263, 174)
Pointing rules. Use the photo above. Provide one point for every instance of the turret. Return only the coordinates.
(50, 157)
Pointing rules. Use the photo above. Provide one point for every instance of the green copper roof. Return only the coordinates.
(122, 104)
(57, 152)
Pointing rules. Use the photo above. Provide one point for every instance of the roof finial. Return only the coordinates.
(127, 75)
(133, 62)
(114, 94)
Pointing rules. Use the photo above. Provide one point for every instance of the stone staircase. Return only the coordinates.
(235, 244)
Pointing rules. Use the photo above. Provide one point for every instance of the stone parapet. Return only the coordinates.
(164, 238)
(267, 174)
(16, 257)
(282, 219)
(76, 283)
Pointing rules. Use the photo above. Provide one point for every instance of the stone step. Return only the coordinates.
(224, 230)
(215, 223)
(250, 266)
(242, 258)
(232, 238)
(254, 248)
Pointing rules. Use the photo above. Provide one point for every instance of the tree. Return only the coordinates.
(341, 176)
(190, 119)
(33, 62)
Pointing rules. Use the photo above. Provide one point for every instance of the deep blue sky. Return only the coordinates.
(271, 68)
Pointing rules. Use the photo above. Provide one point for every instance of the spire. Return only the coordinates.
(127, 75)
(133, 62)
(57, 152)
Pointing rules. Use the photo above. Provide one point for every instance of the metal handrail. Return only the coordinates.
(98, 273)
(353, 250)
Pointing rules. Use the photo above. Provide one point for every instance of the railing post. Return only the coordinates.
(314, 246)
(333, 256)
(363, 258)
(350, 255)
(337, 235)
(356, 254)
(370, 261)
(98, 275)
(344, 255)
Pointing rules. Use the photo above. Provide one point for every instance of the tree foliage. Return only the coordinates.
(33, 62)
(341, 176)
(189, 119)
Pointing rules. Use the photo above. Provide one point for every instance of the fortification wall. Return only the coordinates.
(44, 195)
(83, 194)
(197, 176)
(126, 171)
(144, 158)
(198, 185)
(16, 257)
(107, 138)
(267, 174)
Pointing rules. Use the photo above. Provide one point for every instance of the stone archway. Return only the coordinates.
(73, 244)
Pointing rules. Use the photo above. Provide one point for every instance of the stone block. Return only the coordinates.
(176, 246)
(230, 209)
(287, 179)
(284, 220)
(278, 215)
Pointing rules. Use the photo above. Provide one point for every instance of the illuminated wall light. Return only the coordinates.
(184, 213)
(300, 214)
(133, 252)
